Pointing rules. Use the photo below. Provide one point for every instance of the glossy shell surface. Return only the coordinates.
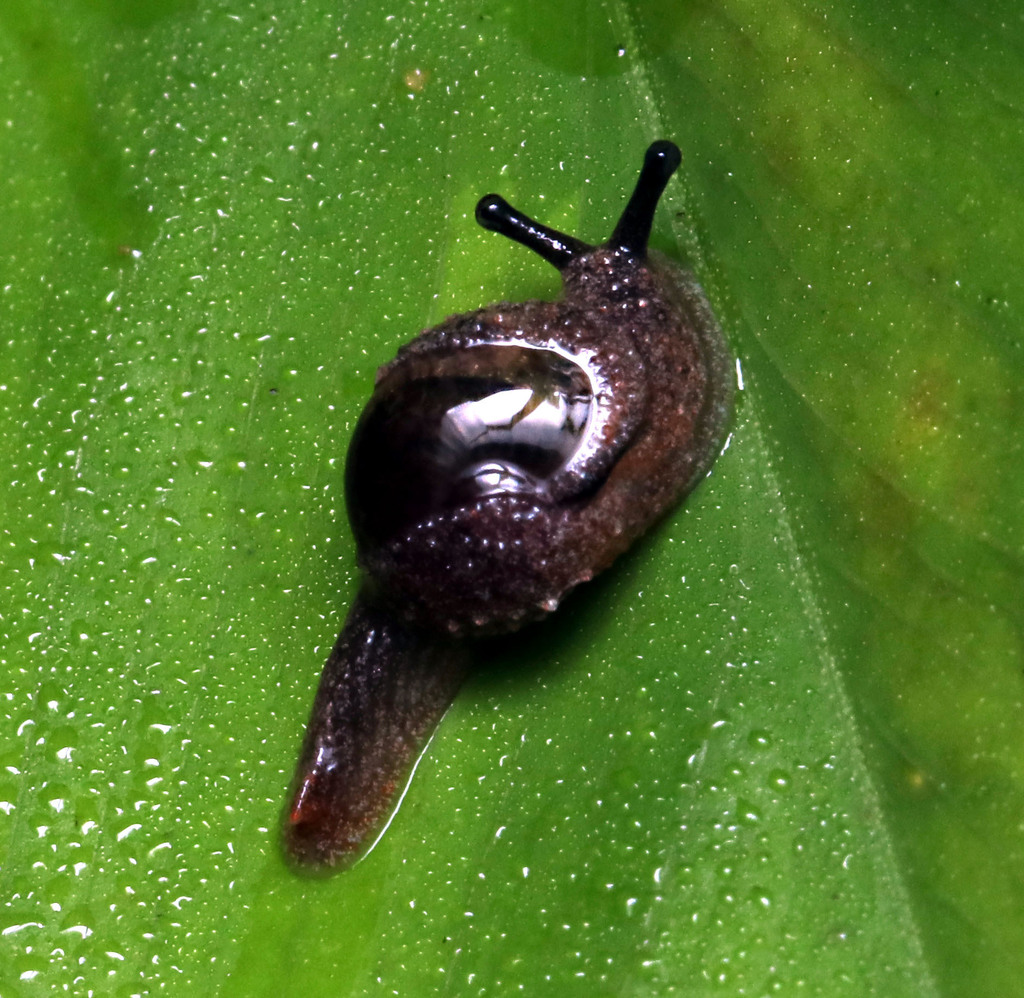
(515, 451)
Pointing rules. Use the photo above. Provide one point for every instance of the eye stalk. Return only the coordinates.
(631, 234)
(661, 160)
(495, 213)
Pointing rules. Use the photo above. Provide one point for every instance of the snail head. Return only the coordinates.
(630, 236)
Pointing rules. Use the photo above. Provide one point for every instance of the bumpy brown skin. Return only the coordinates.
(643, 328)
(661, 393)
(383, 688)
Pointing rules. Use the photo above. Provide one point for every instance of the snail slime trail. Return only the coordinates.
(505, 456)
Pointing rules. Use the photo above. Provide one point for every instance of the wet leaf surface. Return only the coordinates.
(777, 748)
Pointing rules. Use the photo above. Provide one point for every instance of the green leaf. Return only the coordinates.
(776, 749)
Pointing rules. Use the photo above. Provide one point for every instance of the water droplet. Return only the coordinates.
(747, 813)
(78, 920)
(236, 462)
(63, 741)
(87, 811)
(147, 557)
(759, 739)
(199, 457)
(734, 767)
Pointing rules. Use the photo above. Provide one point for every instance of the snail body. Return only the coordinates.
(505, 456)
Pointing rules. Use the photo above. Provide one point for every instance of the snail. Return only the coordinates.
(505, 457)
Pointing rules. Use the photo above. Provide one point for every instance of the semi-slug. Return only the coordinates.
(505, 456)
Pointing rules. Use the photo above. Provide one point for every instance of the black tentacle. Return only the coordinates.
(495, 213)
(661, 160)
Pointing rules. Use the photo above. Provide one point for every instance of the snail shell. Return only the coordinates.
(505, 456)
